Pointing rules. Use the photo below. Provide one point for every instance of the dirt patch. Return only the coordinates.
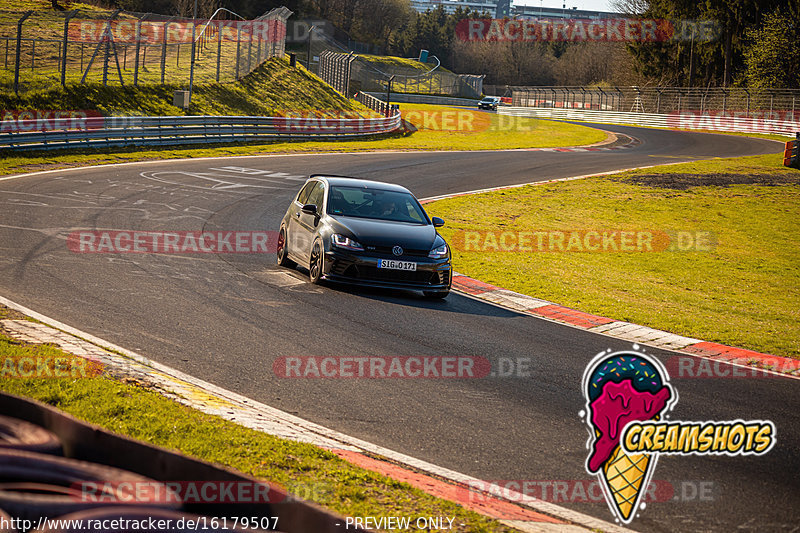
(686, 181)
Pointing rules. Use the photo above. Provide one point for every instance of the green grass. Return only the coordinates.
(273, 87)
(451, 128)
(42, 64)
(744, 292)
(424, 84)
(381, 62)
(501, 132)
(303, 469)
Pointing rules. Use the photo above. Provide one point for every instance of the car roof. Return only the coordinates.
(358, 182)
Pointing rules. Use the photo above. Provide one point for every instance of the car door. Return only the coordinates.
(292, 226)
(305, 224)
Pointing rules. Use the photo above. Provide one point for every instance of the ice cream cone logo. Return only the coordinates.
(621, 388)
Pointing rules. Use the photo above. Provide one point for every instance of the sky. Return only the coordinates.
(594, 5)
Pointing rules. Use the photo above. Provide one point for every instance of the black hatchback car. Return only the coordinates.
(367, 233)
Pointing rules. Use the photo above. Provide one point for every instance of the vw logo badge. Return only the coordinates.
(397, 250)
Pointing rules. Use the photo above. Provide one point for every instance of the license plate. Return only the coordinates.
(397, 265)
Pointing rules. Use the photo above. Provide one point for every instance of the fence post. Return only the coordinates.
(108, 36)
(748, 101)
(19, 49)
(138, 48)
(250, 50)
(238, 46)
(33, 53)
(258, 49)
(193, 52)
(220, 26)
(64, 46)
(164, 49)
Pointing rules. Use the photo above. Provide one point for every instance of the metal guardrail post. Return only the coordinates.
(19, 49)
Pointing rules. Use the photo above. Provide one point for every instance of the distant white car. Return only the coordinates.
(489, 102)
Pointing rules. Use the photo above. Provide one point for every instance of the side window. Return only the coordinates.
(316, 195)
(305, 191)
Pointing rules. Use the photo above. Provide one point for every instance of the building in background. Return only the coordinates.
(538, 12)
(489, 6)
(504, 8)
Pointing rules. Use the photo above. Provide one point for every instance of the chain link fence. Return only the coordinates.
(41, 48)
(350, 73)
(663, 100)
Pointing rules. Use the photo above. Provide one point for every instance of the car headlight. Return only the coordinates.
(347, 243)
(439, 252)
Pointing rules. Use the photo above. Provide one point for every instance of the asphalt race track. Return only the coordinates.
(225, 319)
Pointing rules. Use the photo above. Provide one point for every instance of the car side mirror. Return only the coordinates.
(309, 209)
(437, 222)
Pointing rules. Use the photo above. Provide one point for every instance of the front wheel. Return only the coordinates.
(283, 256)
(316, 263)
(439, 295)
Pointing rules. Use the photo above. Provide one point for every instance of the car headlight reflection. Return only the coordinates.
(439, 252)
(347, 243)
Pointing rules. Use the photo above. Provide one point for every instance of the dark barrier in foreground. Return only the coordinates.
(86, 442)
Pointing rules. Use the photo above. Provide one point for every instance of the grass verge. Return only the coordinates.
(305, 470)
(271, 89)
(488, 131)
(744, 291)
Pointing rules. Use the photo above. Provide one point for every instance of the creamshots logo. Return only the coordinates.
(628, 401)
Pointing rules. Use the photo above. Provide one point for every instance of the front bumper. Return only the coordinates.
(344, 267)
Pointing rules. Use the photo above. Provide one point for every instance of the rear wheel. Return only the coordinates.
(283, 257)
(315, 264)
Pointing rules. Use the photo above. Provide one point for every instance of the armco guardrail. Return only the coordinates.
(427, 99)
(711, 121)
(105, 132)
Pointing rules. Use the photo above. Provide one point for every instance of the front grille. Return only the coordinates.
(387, 250)
(369, 273)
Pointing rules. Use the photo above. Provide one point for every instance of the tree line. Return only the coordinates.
(758, 44)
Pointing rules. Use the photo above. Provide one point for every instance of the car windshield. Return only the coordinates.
(374, 203)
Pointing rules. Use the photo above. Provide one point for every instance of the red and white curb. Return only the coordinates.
(741, 357)
(516, 510)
